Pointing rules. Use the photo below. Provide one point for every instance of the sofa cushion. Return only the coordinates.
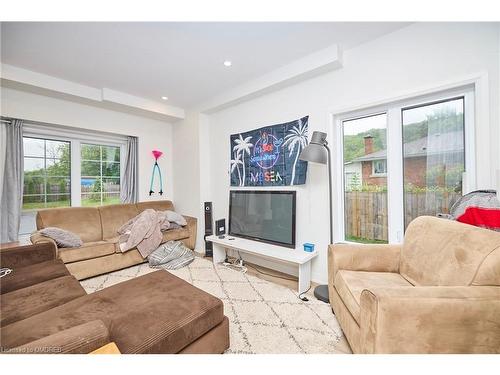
(89, 250)
(81, 339)
(83, 221)
(24, 303)
(84, 269)
(489, 271)
(114, 216)
(175, 234)
(23, 277)
(155, 205)
(439, 252)
(154, 313)
(350, 284)
(22, 256)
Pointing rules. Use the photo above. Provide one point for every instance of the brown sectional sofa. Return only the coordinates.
(45, 310)
(97, 227)
(439, 292)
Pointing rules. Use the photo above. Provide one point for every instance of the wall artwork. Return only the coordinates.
(156, 168)
(269, 156)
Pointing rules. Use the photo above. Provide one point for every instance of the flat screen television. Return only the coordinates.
(266, 216)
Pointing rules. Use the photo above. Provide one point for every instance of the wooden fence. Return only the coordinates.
(367, 217)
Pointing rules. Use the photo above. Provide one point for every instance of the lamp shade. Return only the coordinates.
(315, 151)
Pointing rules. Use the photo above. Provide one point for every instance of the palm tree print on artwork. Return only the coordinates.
(296, 139)
(242, 147)
(235, 164)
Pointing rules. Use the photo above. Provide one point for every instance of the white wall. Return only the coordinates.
(421, 55)
(187, 167)
(152, 134)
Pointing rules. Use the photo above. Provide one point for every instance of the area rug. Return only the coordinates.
(264, 317)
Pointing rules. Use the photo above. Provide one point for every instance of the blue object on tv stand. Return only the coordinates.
(309, 247)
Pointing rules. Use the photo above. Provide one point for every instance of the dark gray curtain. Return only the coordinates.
(12, 181)
(129, 184)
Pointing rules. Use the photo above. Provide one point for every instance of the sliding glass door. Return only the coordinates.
(401, 161)
(433, 157)
(365, 179)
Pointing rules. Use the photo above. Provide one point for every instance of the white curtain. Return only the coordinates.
(129, 184)
(12, 173)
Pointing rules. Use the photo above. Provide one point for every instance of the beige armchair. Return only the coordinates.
(439, 292)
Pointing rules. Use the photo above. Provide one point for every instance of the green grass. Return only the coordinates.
(91, 203)
(364, 240)
(66, 203)
(40, 205)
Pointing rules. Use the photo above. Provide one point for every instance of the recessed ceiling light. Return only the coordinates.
(228, 63)
(164, 97)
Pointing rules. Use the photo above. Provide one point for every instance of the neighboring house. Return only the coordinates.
(422, 166)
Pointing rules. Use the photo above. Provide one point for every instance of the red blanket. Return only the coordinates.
(481, 217)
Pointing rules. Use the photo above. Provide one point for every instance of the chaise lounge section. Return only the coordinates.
(97, 227)
(154, 313)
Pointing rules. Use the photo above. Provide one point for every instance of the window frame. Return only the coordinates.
(379, 174)
(395, 156)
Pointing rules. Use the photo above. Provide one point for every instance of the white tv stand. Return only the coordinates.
(273, 252)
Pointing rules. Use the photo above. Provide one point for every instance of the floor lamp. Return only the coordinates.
(317, 151)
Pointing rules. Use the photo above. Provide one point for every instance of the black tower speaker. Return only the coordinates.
(208, 229)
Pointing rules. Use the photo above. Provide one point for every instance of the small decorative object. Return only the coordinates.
(269, 156)
(156, 154)
(309, 247)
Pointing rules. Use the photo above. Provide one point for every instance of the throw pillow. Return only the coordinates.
(174, 217)
(174, 226)
(63, 238)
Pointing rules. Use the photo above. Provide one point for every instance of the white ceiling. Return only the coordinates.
(183, 61)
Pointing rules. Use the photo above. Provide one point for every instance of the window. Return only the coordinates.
(47, 173)
(100, 175)
(68, 168)
(403, 160)
(434, 157)
(365, 194)
(379, 167)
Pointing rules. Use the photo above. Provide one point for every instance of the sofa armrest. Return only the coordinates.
(192, 224)
(37, 237)
(430, 319)
(81, 339)
(22, 256)
(361, 257)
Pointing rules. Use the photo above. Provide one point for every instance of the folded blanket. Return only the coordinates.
(171, 255)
